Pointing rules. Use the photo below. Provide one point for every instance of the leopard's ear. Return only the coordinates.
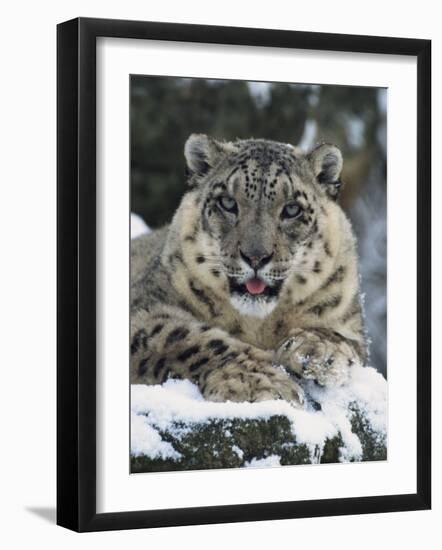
(326, 162)
(202, 153)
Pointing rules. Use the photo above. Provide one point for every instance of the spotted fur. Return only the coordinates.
(192, 316)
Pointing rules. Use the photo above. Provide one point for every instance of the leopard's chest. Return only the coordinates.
(265, 333)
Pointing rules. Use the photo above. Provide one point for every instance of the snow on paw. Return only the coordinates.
(318, 355)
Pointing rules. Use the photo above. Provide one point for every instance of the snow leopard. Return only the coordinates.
(253, 287)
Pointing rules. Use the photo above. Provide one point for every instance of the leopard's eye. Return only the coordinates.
(291, 211)
(228, 204)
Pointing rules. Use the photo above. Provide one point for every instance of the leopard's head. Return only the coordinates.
(262, 205)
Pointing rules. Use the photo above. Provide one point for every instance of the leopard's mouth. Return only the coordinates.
(255, 288)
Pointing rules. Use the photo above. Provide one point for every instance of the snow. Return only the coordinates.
(159, 407)
(137, 226)
(238, 451)
(272, 460)
(147, 441)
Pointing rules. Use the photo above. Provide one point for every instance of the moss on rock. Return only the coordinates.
(374, 443)
(233, 443)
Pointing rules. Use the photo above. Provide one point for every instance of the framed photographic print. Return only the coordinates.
(243, 274)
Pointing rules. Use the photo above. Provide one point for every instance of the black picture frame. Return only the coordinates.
(76, 273)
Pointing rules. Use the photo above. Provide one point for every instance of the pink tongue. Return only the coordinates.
(255, 286)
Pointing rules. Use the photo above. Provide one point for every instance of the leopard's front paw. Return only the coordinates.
(311, 354)
(278, 384)
(252, 380)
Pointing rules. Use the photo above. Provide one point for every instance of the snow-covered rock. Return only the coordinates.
(175, 428)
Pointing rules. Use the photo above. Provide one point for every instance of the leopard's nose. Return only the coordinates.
(256, 261)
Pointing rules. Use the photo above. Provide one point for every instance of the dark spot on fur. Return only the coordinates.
(330, 335)
(200, 259)
(331, 303)
(142, 367)
(317, 267)
(236, 329)
(353, 310)
(139, 339)
(136, 302)
(203, 376)
(229, 357)
(156, 329)
(158, 366)
(162, 316)
(217, 346)
(198, 364)
(177, 334)
(279, 326)
(185, 306)
(301, 280)
(202, 297)
(336, 277)
(193, 350)
(158, 293)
